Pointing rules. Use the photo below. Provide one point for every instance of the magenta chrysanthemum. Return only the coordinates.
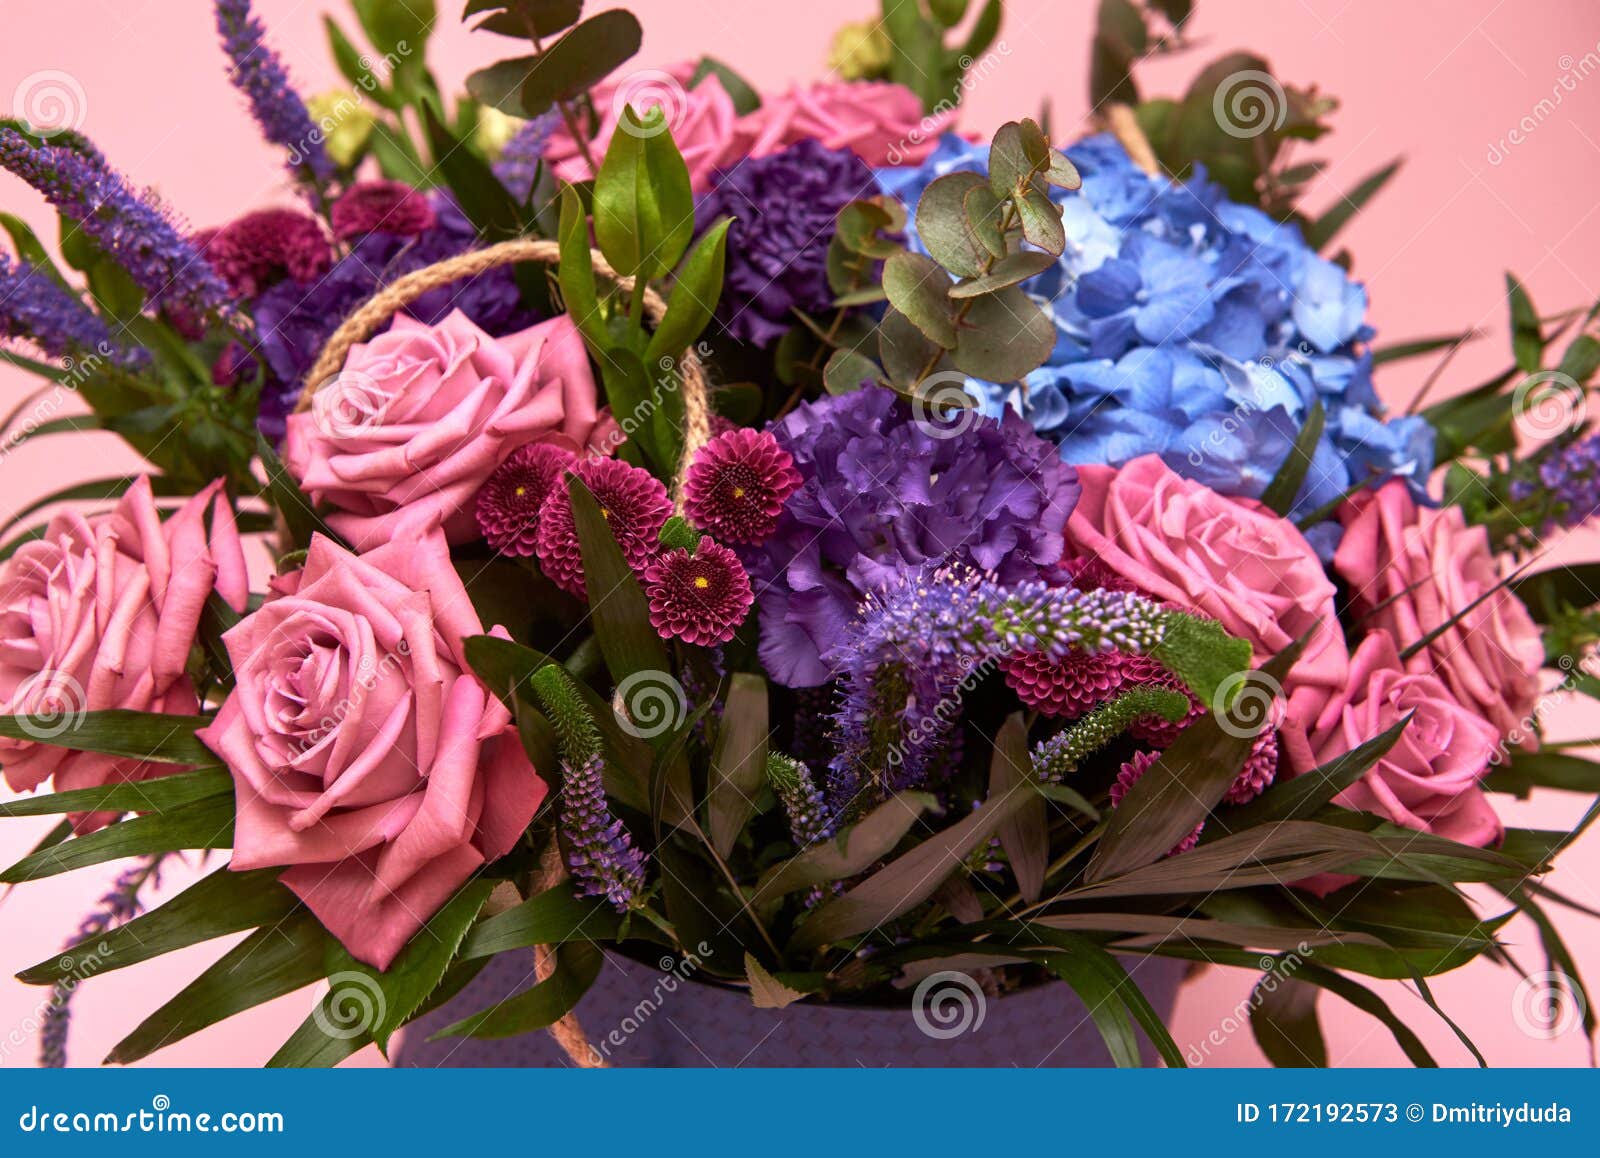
(1129, 775)
(633, 502)
(257, 249)
(508, 505)
(381, 207)
(700, 598)
(738, 484)
(1258, 772)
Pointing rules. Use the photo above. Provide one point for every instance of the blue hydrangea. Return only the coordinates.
(1194, 328)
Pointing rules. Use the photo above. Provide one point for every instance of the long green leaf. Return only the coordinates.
(738, 765)
(1025, 834)
(159, 795)
(147, 736)
(1285, 485)
(1283, 1018)
(577, 965)
(548, 918)
(1301, 797)
(204, 823)
(1325, 228)
(853, 851)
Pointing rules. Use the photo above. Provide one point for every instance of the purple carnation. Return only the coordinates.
(783, 206)
(518, 163)
(885, 492)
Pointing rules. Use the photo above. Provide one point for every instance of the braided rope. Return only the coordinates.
(401, 292)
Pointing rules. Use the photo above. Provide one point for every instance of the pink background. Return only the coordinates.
(1440, 81)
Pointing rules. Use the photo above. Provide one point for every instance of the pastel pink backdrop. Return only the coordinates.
(1440, 81)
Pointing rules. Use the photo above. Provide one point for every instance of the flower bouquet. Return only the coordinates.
(865, 568)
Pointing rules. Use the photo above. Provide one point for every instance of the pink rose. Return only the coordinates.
(420, 417)
(364, 753)
(881, 122)
(1429, 779)
(1227, 558)
(1411, 570)
(101, 613)
(702, 120)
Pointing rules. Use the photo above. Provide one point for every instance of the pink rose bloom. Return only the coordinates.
(420, 416)
(364, 753)
(101, 613)
(1411, 570)
(1227, 558)
(702, 120)
(1429, 779)
(881, 122)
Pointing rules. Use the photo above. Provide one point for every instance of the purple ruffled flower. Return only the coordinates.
(603, 859)
(259, 73)
(885, 492)
(35, 307)
(784, 206)
(132, 228)
(518, 163)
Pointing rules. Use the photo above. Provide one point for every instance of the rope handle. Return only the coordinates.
(403, 291)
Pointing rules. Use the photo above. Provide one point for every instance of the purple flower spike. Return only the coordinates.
(259, 73)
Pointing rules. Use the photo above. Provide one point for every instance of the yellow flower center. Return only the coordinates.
(738, 492)
(521, 491)
(702, 582)
(604, 513)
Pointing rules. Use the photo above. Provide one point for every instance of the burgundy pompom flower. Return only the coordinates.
(1258, 772)
(700, 598)
(381, 207)
(633, 502)
(260, 248)
(508, 505)
(1129, 775)
(738, 484)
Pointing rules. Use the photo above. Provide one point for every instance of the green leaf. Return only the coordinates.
(520, 17)
(267, 964)
(919, 289)
(1025, 834)
(1283, 1018)
(943, 226)
(206, 823)
(548, 918)
(1527, 339)
(738, 766)
(477, 190)
(1010, 167)
(1323, 230)
(300, 518)
(162, 794)
(1368, 1002)
(906, 881)
(1200, 653)
(1301, 797)
(217, 905)
(1291, 475)
(903, 349)
(396, 27)
(1013, 269)
(846, 370)
(1190, 777)
(1529, 770)
(577, 965)
(579, 60)
(853, 851)
(1400, 351)
(745, 98)
(693, 299)
(1041, 221)
(576, 271)
(1580, 359)
(766, 991)
(116, 732)
(1004, 337)
(643, 206)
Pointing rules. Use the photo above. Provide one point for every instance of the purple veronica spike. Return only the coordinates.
(1568, 487)
(917, 647)
(38, 308)
(117, 907)
(518, 163)
(603, 860)
(259, 73)
(133, 228)
(803, 802)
